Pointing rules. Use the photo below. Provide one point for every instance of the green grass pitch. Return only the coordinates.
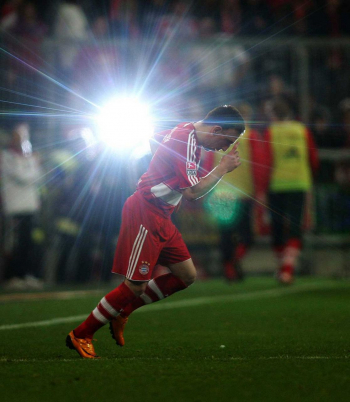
(254, 341)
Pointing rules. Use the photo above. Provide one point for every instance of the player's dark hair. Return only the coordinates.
(226, 117)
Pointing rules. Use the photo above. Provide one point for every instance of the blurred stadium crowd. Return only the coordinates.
(60, 59)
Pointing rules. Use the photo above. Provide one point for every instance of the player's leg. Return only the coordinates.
(134, 254)
(176, 257)
(227, 247)
(182, 275)
(108, 308)
(244, 235)
(277, 214)
(291, 251)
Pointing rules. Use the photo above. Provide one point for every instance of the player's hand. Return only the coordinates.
(231, 160)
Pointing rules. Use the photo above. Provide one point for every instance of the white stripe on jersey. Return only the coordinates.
(136, 250)
(166, 194)
(188, 146)
(191, 156)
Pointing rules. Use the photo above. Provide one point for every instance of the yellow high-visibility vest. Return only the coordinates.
(240, 181)
(291, 165)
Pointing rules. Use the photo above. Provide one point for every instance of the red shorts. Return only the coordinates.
(146, 238)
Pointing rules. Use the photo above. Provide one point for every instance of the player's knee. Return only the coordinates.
(189, 278)
(137, 287)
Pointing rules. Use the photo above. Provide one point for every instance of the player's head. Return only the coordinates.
(226, 125)
(227, 117)
(280, 110)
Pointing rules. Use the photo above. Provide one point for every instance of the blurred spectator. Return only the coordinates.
(325, 135)
(230, 17)
(97, 70)
(342, 167)
(9, 14)
(31, 31)
(152, 12)
(179, 23)
(173, 74)
(257, 18)
(20, 173)
(193, 108)
(207, 13)
(25, 41)
(28, 25)
(301, 10)
(85, 192)
(206, 28)
(330, 79)
(292, 157)
(123, 18)
(276, 89)
(219, 81)
(330, 18)
(100, 28)
(282, 16)
(70, 29)
(67, 195)
(344, 107)
(233, 198)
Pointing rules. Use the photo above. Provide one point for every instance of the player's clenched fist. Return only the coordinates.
(231, 160)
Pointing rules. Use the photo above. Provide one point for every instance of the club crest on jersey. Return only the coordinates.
(191, 169)
(144, 268)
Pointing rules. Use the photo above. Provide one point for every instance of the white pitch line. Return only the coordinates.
(221, 359)
(199, 301)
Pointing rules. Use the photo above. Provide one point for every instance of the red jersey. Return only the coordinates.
(174, 167)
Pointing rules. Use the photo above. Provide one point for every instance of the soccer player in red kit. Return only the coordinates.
(147, 235)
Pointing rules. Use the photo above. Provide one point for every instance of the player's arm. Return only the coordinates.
(313, 153)
(156, 140)
(228, 162)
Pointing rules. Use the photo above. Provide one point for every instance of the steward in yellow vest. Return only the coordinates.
(292, 158)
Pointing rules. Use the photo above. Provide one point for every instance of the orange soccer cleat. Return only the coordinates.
(83, 346)
(116, 327)
(285, 278)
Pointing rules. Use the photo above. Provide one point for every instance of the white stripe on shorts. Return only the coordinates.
(136, 250)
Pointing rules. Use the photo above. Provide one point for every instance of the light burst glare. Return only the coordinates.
(125, 124)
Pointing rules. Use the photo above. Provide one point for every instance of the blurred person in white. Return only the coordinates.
(70, 29)
(20, 174)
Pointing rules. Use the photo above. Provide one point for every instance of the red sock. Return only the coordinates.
(157, 289)
(108, 308)
(241, 251)
(290, 255)
(278, 251)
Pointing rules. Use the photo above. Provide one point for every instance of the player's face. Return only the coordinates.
(222, 140)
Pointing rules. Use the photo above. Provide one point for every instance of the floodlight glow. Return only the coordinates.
(125, 124)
